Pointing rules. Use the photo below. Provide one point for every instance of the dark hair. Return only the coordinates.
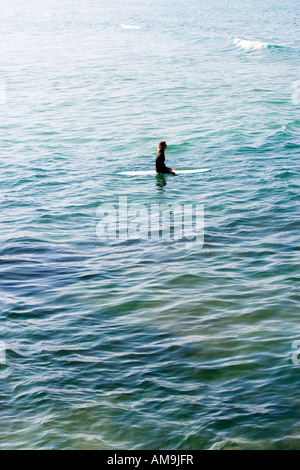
(161, 146)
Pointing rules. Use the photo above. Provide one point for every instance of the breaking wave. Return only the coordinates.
(249, 45)
(129, 26)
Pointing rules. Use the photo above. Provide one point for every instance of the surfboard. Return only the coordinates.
(153, 172)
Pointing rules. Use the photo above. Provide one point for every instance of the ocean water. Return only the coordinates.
(144, 343)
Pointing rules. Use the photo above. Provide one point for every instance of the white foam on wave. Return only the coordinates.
(129, 26)
(249, 45)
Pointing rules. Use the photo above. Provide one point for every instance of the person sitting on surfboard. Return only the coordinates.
(160, 159)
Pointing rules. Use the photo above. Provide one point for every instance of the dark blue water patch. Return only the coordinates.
(286, 174)
(33, 246)
(292, 145)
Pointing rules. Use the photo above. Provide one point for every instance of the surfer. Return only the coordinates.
(160, 159)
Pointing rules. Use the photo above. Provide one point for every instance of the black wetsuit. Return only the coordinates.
(160, 163)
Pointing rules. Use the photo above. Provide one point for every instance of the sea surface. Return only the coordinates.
(145, 343)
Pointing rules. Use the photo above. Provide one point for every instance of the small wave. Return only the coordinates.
(236, 444)
(285, 174)
(129, 26)
(249, 45)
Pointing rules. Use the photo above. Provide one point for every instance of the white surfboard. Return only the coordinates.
(153, 172)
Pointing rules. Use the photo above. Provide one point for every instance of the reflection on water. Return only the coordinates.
(161, 181)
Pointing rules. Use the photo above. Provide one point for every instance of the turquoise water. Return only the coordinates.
(141, 343)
